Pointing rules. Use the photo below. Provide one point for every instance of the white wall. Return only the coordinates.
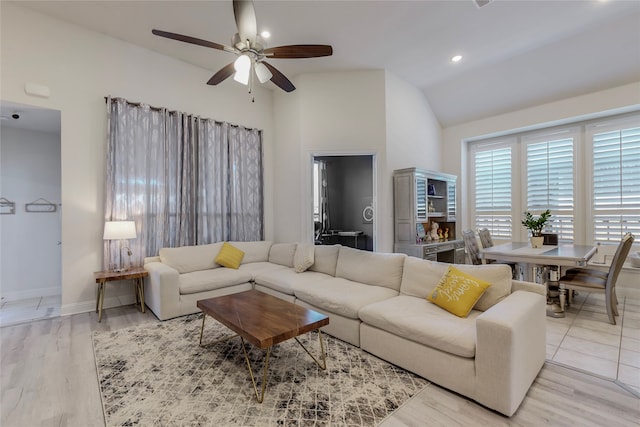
(413, 132)
(413, 137)
(30, 255)
(333, 113)
(365, 112)
(80, 68)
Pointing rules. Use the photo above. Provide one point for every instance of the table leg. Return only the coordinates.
(563, 296)
(215, 341)
(140, 286)
(98, 297)
(202, 327)
(259, 398)
(322, 366)
(100, 301)
(538, 272)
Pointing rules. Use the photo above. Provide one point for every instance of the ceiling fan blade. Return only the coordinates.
(279, 79)
(299, 51)
(192, 40)
(246, 22)
(221, 75)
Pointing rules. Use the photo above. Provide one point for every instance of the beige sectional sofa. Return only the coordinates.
(377, 301)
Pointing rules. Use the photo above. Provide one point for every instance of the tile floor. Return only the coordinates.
(14, 312)
(585, 340)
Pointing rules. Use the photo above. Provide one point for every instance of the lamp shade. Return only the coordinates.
(242, 66)
(119, 230)
(263, 73)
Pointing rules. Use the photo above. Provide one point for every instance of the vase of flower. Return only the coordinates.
(535, 225)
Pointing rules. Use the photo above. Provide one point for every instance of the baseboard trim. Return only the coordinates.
(31, 293)
(87, 306)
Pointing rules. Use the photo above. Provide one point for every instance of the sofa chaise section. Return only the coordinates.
(491, 356)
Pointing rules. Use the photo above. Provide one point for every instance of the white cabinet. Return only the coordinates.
(421, 198)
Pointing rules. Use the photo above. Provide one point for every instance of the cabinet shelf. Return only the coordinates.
(412, 204)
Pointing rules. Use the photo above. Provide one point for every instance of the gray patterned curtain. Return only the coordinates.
(183, 179)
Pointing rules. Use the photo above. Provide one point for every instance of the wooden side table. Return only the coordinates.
(135, 274)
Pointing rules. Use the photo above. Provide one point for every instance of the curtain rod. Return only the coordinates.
(139, 104)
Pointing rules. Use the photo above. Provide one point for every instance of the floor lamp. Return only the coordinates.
(120, 230)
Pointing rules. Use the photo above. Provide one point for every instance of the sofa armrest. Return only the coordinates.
(510, 350)
(518, 285)
(162, 290)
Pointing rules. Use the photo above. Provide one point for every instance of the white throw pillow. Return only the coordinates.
(282, 253)
(303, 257)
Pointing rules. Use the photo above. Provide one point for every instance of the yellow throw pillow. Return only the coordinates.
(229, 256)
(458, 292)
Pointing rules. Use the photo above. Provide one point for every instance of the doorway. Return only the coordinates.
(343, 200)
(30, 217)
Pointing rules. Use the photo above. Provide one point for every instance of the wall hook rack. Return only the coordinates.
(41, 205)
(7, 207)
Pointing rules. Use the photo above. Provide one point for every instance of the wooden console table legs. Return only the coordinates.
(135, 274)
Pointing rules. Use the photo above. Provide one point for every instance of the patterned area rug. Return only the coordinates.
(158, 375)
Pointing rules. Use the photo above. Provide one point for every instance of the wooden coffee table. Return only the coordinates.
(264, 321)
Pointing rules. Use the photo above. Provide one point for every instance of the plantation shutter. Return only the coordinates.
(493, 190)
(616, 180)
(549, 181)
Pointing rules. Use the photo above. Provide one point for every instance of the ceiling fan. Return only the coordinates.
(251, 50)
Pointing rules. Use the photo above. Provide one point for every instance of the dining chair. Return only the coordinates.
(591, 280)
(485, 238)
(601, 274)
(487, 242)
(471, 243)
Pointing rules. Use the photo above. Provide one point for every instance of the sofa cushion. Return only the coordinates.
(207, 280)
(186, 259)
(256, 268)
(458, 292)
(325, 259)
(420, 277)
(282, 253)
(257, 251)
(418, 320)
(372, 268)
(287, 279)
(229, 256)
(341, 296)
(303, 258)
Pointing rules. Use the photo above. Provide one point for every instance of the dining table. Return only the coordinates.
(541, 264)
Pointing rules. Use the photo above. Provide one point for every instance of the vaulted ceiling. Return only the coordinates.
(515, 54)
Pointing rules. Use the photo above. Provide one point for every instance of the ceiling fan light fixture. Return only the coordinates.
(263, 73)
(242, 66)
(251, 50)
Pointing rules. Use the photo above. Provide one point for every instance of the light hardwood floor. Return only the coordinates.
(48, 378)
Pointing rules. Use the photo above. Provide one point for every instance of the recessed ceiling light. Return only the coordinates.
(456, 58)
(265, 34)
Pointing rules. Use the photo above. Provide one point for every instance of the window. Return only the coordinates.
(587, 174)
(492, 189)
(616, 180)
(549, 182)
